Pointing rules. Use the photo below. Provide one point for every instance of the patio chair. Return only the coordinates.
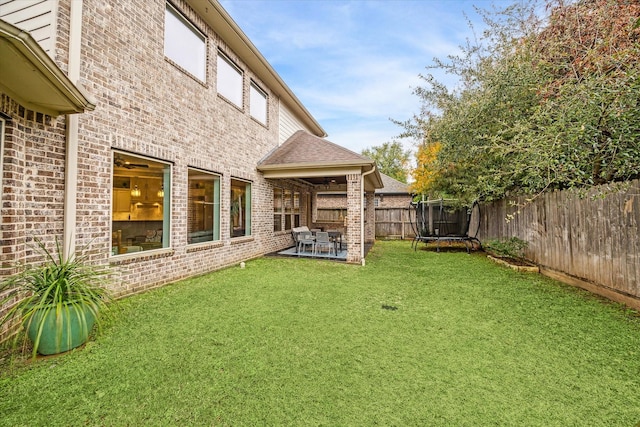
(295, 232)
(323, 241)
(305, 238)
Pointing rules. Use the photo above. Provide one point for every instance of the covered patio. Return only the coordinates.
(322, 165)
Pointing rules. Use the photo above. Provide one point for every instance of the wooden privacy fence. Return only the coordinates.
(390, 222)
(593, 238)
(393, 223)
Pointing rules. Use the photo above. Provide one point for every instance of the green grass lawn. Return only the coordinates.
(413, 338)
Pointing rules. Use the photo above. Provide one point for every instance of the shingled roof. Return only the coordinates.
(392, 186)
(310, 157)
(304, 148)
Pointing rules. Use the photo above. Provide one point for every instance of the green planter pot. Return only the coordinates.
(61, 331)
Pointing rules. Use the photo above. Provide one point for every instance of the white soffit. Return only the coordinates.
(32, 78)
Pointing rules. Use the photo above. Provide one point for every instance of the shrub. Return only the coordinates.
(512, 247)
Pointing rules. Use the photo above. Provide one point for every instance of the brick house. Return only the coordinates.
(151, 134)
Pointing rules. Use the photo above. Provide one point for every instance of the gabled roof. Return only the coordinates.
(32, 78)
(392, 186)
(303, 148)
(307, 156)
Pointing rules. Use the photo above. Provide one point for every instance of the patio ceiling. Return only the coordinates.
(318, 162)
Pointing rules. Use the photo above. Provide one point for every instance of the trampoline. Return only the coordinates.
(443, 221)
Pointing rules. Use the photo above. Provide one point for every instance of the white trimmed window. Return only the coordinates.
(288, 209)
(258, 103)
(277, 209)
(184, 44)
(296, 209)
(203, 213)
(229, 80)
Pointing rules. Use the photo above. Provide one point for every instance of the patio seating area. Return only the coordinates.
(316, 243)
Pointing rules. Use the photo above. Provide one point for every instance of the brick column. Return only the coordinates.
(353, 222)
(370, 218)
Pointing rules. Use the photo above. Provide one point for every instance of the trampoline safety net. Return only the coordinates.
(443, 220)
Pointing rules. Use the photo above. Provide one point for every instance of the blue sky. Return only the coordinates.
(353, 64)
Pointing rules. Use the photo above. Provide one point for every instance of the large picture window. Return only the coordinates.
(203, 211)
(229, 80)
(141, 195)
(184, 44)
(258, 103)
(240, 208)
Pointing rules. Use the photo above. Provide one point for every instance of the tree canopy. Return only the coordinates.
(391, 159)
(541, 103)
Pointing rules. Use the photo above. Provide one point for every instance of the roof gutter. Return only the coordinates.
(307, 165)
(41, 85)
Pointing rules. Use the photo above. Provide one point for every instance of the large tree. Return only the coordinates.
(391, 158)
(541, 103)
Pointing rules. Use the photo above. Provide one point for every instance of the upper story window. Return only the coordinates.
(258, 103)
(229, 80)
(184, 44)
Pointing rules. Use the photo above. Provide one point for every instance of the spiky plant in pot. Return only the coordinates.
(58, 302)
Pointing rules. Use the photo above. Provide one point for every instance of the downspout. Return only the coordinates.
(71, 164)
(373, 169)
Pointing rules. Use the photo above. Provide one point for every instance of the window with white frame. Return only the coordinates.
(277, 209)
(258, 103)
(296, 209)
(141, 200)
(286, 206)
(203, 211)
(240, 208)
(184, 44)
(229, 80)
(288, 209)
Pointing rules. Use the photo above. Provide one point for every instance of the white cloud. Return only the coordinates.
(354, 64)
